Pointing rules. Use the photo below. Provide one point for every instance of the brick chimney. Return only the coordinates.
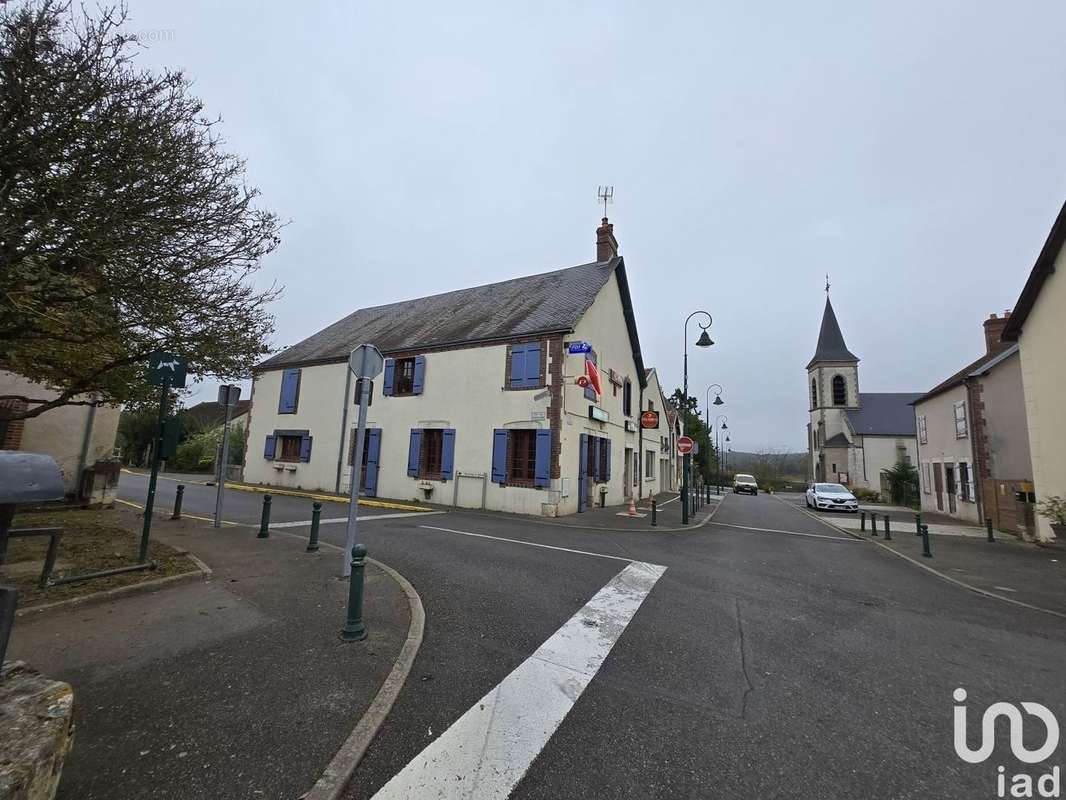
(993, 331)
(606, 244)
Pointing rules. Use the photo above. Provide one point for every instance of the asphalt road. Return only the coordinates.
(774, 657)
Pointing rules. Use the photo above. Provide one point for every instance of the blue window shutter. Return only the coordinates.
(290, 391)
(447, 453)
(305, 449)
(414, 452)
(518, 366)
(542, 464)
(373, 456)
(607, 466)
(582, 474)
(390, 371)
(420, 374)
(533, 364)
(499, 456)
(268, 451)
(594, 467)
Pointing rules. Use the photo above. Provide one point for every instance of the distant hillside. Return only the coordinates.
(767, 467)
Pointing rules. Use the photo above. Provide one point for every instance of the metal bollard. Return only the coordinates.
(925, 542)
(354, 630)
(316, 512)
(264, 523)
(177, 501)
(888, 530)
(862, 521)
(917, 524)
(873, 524)
(654, 522)
(988, 529)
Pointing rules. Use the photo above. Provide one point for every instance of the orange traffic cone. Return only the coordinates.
(632, 507)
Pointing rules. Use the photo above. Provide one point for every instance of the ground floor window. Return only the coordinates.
(649, 463)
(289, 448)
(431, 453)
(432, 450)
(965, 489)
(522, 457)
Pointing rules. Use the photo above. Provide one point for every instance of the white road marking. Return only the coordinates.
(530, 544)
(790, 533)
(485, 753)
(1005, 588)
(368, 518)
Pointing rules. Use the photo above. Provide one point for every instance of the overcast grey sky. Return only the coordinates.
(912, 150)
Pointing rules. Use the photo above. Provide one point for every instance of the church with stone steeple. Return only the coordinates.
(853, 436)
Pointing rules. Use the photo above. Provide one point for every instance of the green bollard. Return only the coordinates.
(177, 501)
(873, 524)
(654, 523)
(862, 522)
(264, 523)
(354, 630)
(888, 530)
(988, 529)
(316, 512)
(917, 524)
(925, 542)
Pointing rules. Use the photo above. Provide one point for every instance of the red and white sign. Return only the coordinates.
(684, 445)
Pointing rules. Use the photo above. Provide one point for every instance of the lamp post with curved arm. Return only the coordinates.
(720, 425)
(703, 341)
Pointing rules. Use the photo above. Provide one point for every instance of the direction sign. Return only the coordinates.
(684, 445)
(366, 361)
(166, 366)
(649, 419)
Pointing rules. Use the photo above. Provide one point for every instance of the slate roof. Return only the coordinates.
(1042, 269)
(551, 302)
(884, 414)
(831, 345)
(211, 414)
(973, 368)
(840, 440)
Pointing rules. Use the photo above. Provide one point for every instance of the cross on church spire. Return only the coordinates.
(827, 284)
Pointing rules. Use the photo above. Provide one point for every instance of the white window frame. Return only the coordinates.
(970, 496)
(962, 430)
(923, 430)
(650, 457)
(927, 478)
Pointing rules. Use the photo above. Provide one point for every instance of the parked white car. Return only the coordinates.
(831, 497)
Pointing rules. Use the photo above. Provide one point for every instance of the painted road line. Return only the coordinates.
(485, 753)
(163, 513)
(790, 533)
(368, 518)
(529, 544)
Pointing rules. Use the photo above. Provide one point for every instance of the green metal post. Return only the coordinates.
(316, 512)
(988, 529)
(888, 530)
(873, 524)
(354, 630)
(925, 542)
(917, 524)
(264, 523)
(654, 523)
(149, 501)
(862, 522)
(177, 501)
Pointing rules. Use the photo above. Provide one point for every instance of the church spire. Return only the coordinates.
(831, 345)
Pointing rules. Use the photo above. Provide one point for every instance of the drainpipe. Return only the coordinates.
(86, 440)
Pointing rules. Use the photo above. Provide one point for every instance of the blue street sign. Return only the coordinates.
(578, 347)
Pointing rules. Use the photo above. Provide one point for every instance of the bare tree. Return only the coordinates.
(125, 227)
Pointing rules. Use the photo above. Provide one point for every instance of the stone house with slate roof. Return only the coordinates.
(853, 436)
(478, 404)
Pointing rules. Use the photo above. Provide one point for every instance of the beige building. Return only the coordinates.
(78, 437)
(1038, 325)
(973, 450)
(853, 436)
(660, 465)
(479, 405)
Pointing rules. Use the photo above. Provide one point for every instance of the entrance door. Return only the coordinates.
(938, 485)
(949, 477)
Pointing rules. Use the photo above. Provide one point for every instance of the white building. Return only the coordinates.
(478, 405)
(659, 466)
(853, 436)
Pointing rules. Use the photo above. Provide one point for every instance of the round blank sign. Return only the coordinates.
(366, 361)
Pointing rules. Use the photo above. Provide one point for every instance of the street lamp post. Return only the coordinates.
(707, 415)
(720, 425)
(703, 341)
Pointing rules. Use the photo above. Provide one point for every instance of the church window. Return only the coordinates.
(840, 391)
(814, 394)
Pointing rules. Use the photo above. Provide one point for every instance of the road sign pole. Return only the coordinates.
(356, 478)
(149, 501)
(224, 466)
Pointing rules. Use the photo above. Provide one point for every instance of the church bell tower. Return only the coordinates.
(833, 389)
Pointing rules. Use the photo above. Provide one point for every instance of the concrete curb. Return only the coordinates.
(338, 772)
(202, 572)
(927, 568)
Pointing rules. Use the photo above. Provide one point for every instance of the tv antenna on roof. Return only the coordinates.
(606, 195)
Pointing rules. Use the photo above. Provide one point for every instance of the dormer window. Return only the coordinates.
(840, 391)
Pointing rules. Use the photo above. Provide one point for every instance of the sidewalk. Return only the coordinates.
(238, 686)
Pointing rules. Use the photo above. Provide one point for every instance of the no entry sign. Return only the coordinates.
(684, 445)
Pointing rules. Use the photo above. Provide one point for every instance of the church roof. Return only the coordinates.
(840, 440)
(884, 414)
(831, 345)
